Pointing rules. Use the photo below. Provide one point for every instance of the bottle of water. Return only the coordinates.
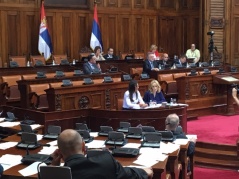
(160, 67)
(212, 64)
(53, 62)
(171, 101)
(74, 62)
(28, 63)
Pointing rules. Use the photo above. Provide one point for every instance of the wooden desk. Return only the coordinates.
(101, 96)
(24, 85)
(201, 94)
(122, 65)
(94, 118)
(159, 168)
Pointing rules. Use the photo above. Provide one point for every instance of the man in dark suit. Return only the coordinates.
(164, 61)
(110, 55)
(171, 124)
(150, 64)
(181, 61)
(91, 67)
(97, 164)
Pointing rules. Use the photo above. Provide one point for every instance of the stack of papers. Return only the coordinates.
(94, 134)
(181, 141)
(150, 156)
(7, 145)
(8, 161)
(53, 143)
(31, 169)
(132, 145)
(96, 144)
(9, 124)
(48, 150)
(2, 119)
(34, 126)
(39, 137)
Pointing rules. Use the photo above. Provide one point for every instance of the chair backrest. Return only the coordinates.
(165, 77)
(39, 88)
(84, 55)
(50, 172)
(139, 55)
(213, 72)
(21, 60)
(58, 58)
(136, 72)
(29, 76)
(11, 80)
(177, 75)
(34, 60)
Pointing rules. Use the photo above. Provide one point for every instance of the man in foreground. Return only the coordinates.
(97, 164)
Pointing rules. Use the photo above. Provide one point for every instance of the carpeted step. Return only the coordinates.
(216, 154)
(219, 147)
(216, 163)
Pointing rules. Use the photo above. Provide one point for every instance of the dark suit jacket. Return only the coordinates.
(147, 66)
(101, 165)
(114, 57)
(177, 62)
(191, 147)
(88, 70)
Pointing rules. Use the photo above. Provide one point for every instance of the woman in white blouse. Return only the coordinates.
(98, 54)
(132, 97)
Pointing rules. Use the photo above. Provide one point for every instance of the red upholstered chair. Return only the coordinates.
(168, 85)
(37, 96)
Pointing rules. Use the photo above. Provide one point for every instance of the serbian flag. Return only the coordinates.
(44, 42)
(95, 39)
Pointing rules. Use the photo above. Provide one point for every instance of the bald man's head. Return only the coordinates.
(171, 122)
(70, 143)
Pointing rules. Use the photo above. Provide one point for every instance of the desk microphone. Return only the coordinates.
(31, 158)
(146, 123)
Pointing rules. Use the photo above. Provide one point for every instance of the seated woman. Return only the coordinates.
(132, 97)
(98, 53)
(154, 93)
(153, 49)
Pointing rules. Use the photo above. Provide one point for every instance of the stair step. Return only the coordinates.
(214, 146)
(216, 162)
(213, 151)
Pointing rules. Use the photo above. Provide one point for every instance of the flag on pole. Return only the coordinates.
(95, 39)
(44, 42)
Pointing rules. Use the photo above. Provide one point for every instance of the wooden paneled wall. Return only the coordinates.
(125, 25)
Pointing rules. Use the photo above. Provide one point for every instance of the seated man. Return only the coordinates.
(234, 95)
(110, 55)
(164, 61)
(171, 123)
(193, 53)
(181, 60)
(150, 64)
(97, 164)
(91, 66)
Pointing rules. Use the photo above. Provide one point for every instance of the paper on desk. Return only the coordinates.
(152, 156)
(53, 143)
(2, 119)
(136, 166)
(145, 162)
(48, 150)
(9, 124)
(94, 134)
(181, 141)
(31, 169)
(39, 137)
(131, 145)
(169, 147)
(96, 144)
(153, 106)
(192, 136)
(34, 126)
(8, 161)
(7, 145)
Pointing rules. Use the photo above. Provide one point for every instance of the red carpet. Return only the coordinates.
(207, 173)
(215, 129)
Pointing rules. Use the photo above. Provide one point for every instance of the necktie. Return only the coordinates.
(152, 66)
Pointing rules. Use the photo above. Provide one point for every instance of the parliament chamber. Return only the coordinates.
(56, 92)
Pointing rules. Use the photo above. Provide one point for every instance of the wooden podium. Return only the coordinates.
(228, 80)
